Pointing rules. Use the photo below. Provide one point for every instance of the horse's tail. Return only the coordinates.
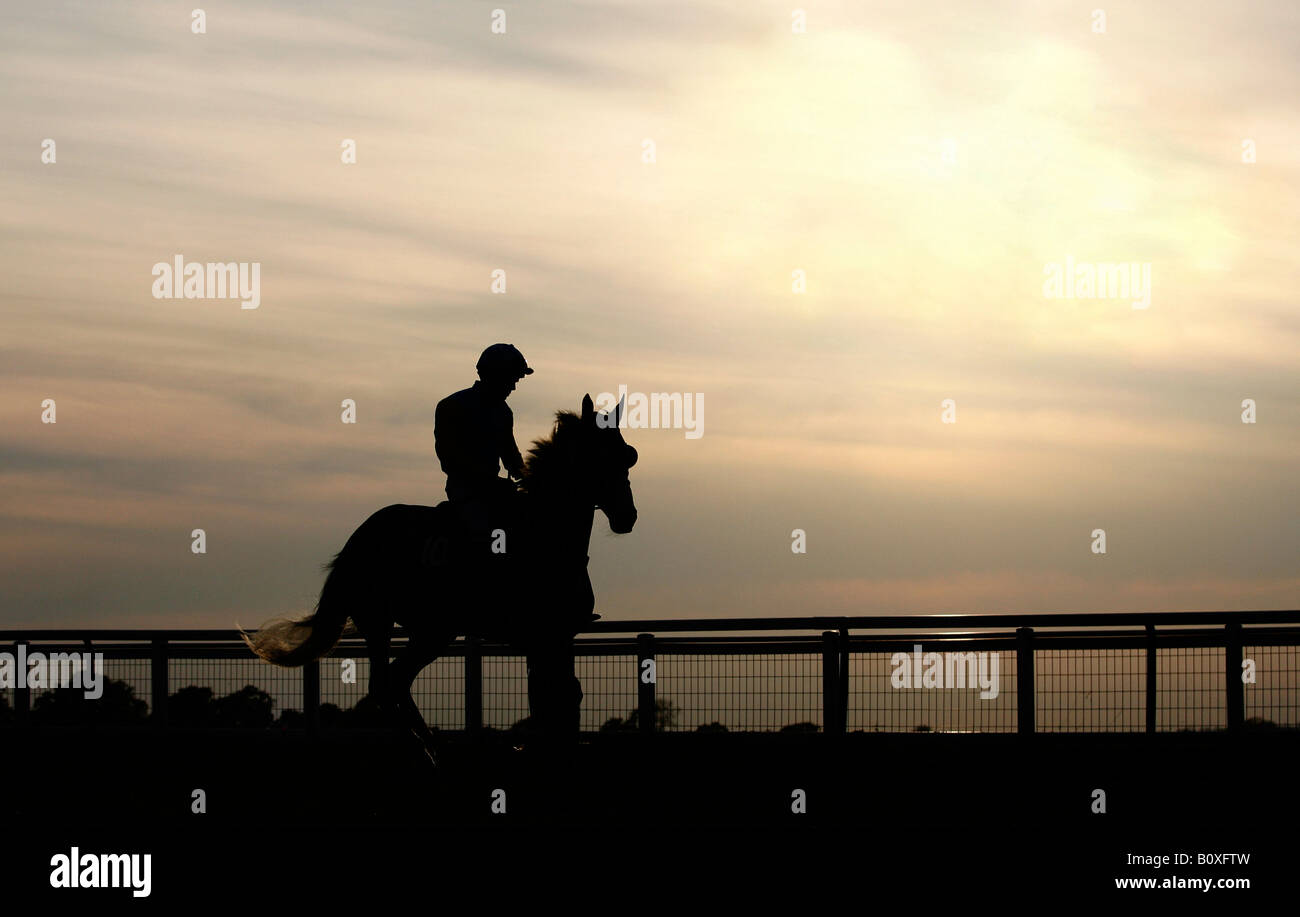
(293, 643)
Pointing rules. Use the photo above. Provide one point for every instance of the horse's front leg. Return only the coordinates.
(554, 692)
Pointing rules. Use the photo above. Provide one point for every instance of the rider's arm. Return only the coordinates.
(514, 463)
(510, 457)
(449, 435)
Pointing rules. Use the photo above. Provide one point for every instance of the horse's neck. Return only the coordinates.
(561, 527)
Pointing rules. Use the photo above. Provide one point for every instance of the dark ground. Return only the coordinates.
(929, 814)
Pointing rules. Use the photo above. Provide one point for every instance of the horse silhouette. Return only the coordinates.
(413, 566)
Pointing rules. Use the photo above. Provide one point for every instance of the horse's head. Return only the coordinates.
(605, 461)
(585, 461)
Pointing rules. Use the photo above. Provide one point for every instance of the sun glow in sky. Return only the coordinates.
(920, 164)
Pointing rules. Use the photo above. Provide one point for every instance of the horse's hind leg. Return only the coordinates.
(377, 646)
(422, 649)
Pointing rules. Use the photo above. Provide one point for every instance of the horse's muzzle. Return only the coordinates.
(622, 524)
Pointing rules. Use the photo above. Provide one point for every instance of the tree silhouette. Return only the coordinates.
(296, 719)
(191, 706)
(247, 708)
(665, 719)
(800, 727)
(62, 707)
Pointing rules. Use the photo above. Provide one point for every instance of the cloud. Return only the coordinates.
(919, 170)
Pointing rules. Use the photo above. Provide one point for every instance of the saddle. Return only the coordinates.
(451, 543)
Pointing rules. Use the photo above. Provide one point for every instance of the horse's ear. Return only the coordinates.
(618, 409)
(588, 410)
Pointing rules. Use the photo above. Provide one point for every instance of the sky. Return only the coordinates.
(922, 164)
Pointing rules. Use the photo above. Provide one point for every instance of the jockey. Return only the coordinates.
(473, 433)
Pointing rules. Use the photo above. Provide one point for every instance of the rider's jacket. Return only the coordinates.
(472, 433)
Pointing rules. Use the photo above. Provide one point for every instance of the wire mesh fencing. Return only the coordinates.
(1119, 680)
(937, 688)
(1091, 690)
(1272, 696)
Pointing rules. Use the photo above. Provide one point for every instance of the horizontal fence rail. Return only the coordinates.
(1112, 672)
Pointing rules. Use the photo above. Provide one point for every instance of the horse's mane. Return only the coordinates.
(547, 454)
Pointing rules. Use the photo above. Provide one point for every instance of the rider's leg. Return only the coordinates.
(485, 536)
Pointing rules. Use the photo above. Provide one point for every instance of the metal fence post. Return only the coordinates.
(23, 695)
(158, 680)
(1151, 678)
(843, 706)
(1232, 674)
(311, 695)
(646, 677)
(830, 682)
(1025, 679)
(473, 684)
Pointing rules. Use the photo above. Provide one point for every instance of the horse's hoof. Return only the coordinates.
(429, 752)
